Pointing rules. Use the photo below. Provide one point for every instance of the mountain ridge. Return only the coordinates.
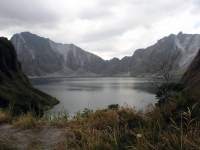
(43, 57)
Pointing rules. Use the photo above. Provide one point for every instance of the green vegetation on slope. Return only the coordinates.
(15, 88)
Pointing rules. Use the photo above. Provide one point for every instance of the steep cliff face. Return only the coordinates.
(15, 88)
(36, 55)
(41, 57)
(191, 78)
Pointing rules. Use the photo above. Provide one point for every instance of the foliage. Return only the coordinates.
(167, 90)
(113, 106)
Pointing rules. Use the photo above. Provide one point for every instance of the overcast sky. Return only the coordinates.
(107, 28)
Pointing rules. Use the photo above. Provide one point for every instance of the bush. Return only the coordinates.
(167, 90)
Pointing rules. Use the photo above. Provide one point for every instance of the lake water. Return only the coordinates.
(76, 94)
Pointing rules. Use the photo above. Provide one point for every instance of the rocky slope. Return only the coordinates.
(43, 57)
(15, 89)
(191, 78)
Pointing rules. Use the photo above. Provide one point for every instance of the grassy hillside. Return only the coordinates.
(15, 88)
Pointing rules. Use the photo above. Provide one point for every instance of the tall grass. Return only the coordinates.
(118, 129)
(26, 121)
(5, 116)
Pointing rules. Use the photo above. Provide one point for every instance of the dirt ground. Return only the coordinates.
(44, 138)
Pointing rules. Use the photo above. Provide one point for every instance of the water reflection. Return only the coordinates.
(144, 87)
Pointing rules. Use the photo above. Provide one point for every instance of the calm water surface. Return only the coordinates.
(76, 94)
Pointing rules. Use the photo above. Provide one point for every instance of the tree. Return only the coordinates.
(165, 66)
(162, 71)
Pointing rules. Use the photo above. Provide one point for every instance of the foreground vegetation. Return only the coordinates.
(117, 127)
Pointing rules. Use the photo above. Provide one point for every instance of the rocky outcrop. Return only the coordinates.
(15, 89)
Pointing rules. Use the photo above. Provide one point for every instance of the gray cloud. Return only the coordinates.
(107, 32)
(26, 13)
(109, 28)
(195, 8)
(138, 14)
(95, 13)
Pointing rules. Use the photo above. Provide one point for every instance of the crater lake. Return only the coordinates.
(94, 93)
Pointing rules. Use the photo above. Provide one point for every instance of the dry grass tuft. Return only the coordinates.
(104, 129)
(5, 116)
(26, 121)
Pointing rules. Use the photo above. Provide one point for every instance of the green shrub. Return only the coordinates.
(167, 90)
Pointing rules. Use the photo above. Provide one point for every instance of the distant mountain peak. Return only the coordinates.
(180, 33)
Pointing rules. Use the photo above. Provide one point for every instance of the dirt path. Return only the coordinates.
(45, 138)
